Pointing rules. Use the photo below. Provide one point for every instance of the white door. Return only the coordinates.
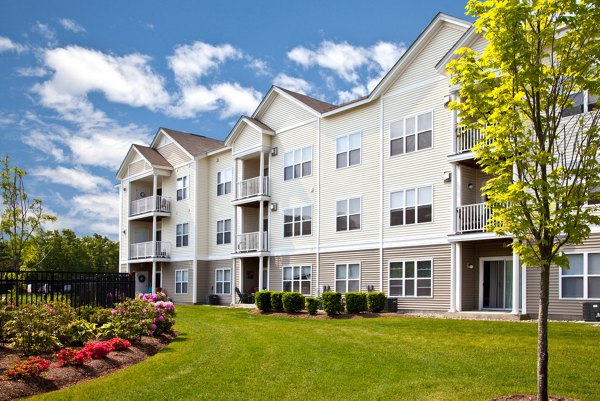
(142, 281)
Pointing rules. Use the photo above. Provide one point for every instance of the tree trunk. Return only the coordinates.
(542, 350)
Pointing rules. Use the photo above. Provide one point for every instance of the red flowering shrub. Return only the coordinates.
(97, 350)
(32, 367)
(119, 344)
(72, 357)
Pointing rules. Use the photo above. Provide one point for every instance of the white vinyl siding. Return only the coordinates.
(181, 281)
(411, 278)
(347, 277)
(223, 281)
(582, 279)
(297, 279)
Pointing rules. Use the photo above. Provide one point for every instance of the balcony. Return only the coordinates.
(252, 187)
(472, 218)
(150, 250)
(151, 204)
(250, 242)
(466, 139)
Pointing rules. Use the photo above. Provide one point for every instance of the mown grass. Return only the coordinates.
(230, 354)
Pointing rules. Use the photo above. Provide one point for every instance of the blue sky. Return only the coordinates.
(80, 81)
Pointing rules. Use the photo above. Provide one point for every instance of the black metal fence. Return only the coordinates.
(77, 289)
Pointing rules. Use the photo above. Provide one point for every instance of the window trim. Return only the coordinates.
(312, 210)
(300, 265)
(404, 279)
(182, 235)
(360, 133)
(585, 277)
(185, 187)
(187, 281)
(224, 183)
(223, 232)
(416, 188)
(223, 281)
(347, 263)
(301, 149)
(348, 214)
(415, 115)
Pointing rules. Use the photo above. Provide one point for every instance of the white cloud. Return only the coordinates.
(8, 45)
(79, 71)
(342, 58)
(45, 31)
(90, 213)
(385, 54)
(71, 25)
(292, 83)
(32, 72)
(190, 62)
(354, 93)
(260, 67)
(73, 177)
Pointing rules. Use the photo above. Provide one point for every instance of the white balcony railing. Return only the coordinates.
(144, 250)
(472, 218)
(150, 204)
(466, 138)
(249, 242)
(253, 187)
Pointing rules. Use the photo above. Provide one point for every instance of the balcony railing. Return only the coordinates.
(250, 242)
(466, 138)
(253, 187)
(144, 250)
(150, 204)
(473, 218)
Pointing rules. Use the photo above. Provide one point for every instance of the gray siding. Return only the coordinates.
(168, 281)
(278, 262)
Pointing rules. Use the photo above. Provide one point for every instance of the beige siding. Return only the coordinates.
(173, 153)
(558, 308)
(440, 255)
(211, 267)
(279, 262)
(168, 281)
(293, 193)
(249, 138)
(479, 45)
(423, 65)
(202, 205)
(138, 167)
(181, 212)
(360, 180)
(219, 207)
(369, 267)
(283, 113)
(123, 236)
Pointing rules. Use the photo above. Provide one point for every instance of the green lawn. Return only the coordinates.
(231, 355)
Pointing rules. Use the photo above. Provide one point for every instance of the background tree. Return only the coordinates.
(544, 164)
(21, 217)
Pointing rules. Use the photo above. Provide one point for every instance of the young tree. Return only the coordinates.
(21, 217)
(518, 92)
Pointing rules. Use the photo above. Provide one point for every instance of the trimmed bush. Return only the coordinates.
(376, 301)
(263, 300)
(276, 300)
(293, 302)
(332, 302)
(33, 329)
(356, 302)
(311, 304)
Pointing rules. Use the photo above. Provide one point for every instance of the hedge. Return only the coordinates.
(263, 300)
(293, 302)
(376, 301)
(356, 302)
(312, 304)
(276, 302)
(332, 302)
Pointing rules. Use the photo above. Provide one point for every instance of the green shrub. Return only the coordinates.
(293, 302)
(99, 316)
(312, 304)
(131, 319)
(276, 300)
(263, 300)
(356, 302)
(332, 302)
(79, 332)
(376, 301)
(6, 314)
(32, 330)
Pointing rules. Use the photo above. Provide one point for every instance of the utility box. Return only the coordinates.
(212, 299)
(392, 305)
(591, 311)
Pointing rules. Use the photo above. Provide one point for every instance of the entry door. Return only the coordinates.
(497, 284)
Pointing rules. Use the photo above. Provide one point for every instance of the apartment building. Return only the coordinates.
(379, 194)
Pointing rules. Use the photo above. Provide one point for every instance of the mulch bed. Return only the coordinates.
(322, 315)
(57, 378)
(527, 397)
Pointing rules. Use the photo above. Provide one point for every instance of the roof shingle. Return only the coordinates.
(196, 145)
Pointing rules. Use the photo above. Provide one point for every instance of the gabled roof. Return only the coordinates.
(252, 122)
(464, 40)
(195, 145)
(315, 104)
(151, 156)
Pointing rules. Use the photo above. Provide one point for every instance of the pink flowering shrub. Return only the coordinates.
(163, 312)
(32, 367)
(72, 357)
(97, 350)
(119, 344)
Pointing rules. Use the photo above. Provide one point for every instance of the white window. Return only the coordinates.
(582, 279)
(410, 206)
(297, 279)
(297, 163)
(181, 281)
(347, 149)
(224, 232)
(182, 188)
(348, 214)
(411, 133)
(297, 221)
(410, 278)
(347, 277)
(182, 234)
(223, 281)
(582, 103)
(224, 182)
